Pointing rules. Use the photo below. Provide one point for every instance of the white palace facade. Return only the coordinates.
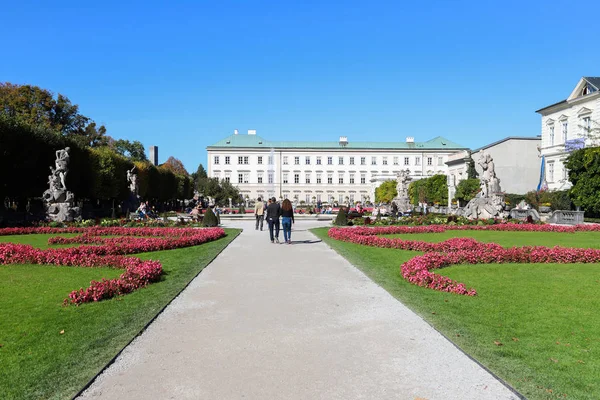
(322, 171)
(567, 125)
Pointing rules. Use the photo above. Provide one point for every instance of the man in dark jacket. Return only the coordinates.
(272, 217)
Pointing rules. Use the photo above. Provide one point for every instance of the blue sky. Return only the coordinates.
(186, 74)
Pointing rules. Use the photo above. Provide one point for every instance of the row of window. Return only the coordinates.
(310, 198)
(244, 160)
(585, 128)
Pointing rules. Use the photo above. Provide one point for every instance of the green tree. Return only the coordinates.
(471, 171)
(386, 191)
(210, 219)
(584, 173)
(132, 150)
(429, 190)
(466, 190)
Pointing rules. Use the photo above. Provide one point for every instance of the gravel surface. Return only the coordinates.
(277, 321)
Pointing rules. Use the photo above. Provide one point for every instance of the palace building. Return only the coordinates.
(570, 124)
(312, 171)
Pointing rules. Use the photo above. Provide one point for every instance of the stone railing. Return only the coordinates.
(523, 214)
(567, 217)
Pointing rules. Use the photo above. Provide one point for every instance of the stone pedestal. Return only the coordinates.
(485, 207)
(62, 212)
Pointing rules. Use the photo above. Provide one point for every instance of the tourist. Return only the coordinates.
(273, 214)
(141, 211)
(259, 212)
(287, 219)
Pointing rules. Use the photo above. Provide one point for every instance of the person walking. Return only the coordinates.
(259, 212)
(273, 214)
(287, 219)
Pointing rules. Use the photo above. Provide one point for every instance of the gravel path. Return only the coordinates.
(268, 321)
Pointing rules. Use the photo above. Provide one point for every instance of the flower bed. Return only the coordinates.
(418, 270)
(106, 252)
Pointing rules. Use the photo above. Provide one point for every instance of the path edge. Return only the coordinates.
(143, 329)
(502, 381)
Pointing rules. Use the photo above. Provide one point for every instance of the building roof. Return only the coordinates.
(592, 80)
(487, 146)
(257, 142)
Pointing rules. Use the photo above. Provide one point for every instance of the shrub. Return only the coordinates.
(210, 219)
(342, 217)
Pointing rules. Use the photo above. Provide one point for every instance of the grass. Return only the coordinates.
(36, 359)
(536, 326)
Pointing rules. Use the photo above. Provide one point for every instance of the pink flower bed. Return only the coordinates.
(418, 270)
(106, 252)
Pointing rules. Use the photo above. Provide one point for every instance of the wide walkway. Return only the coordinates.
(267, 321)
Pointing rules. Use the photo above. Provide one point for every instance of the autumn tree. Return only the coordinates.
(175, 165)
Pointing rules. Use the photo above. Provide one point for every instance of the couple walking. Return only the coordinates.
(274, 211)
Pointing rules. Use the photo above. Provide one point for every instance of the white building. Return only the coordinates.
(313, 171)
(567, 125)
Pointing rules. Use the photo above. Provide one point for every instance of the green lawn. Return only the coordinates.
(544, 316)
(37, 360)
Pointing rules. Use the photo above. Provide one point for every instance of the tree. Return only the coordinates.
(221, 191)
(175, 165)
(584, 173)
(429, 190)
(342, 217)
(466, 190)
(386, 192)
(36, 107)
(199, 177)
(471, 171)
(132, 150)
(210, 219)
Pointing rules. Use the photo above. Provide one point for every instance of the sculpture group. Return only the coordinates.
(58, 201)
(489, 202)
(402, 200)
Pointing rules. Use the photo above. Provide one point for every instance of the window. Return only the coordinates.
(318, 178)
(307, 160)
(307, 180)
(285, 177)
(586, 127)
(240, 160)
(429, 161)
(227, 160)
(440, 161)
(330, 179)
(352, 178)
(363, 161)
(565, 130)
(271, 177)
(341, 198)
(318, 197)
(363, 178)
(260, 159)
(329, 160)
(260, 177)
(551, 171)
(285, 160)
(217, 174)
(285, 196)
(417, 160)
(246, 160)
(227, 177)
(240, 178)
(351, 160)
(296, 178)
(552, 135)
(406, 161)
(341, 179)
(296, 160)
(384, 161)
(395, 161)
(307, 197)
(373, 160)
(246, 177)
(351, 198)
(341, 160)
(270, 160)
(216, 162)
(318, 160)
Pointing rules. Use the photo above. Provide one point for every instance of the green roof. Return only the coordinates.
(257, 142)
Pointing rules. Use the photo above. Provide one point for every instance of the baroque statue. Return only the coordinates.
(58, 201)
(489, 202)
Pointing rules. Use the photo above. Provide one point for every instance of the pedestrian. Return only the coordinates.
(259, 212)
(287, 219)
(273, 214)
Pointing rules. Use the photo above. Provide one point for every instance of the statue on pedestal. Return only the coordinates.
(132, 181)
(58, 201)
(402, 201)
(489, 202)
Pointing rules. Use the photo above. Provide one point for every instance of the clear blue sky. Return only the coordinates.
(184, 75)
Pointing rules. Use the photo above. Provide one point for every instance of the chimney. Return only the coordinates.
(343, 140)
(235, 131)
(251, 131)
(410, 139)
(154, 155)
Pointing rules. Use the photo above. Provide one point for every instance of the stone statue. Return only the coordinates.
(58, 201)
(489, 203)
(402, 200)
(132, 181)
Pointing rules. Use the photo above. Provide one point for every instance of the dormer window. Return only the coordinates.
(587, 89)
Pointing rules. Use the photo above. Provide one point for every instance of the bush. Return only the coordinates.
(342, 217)
(210, 219)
